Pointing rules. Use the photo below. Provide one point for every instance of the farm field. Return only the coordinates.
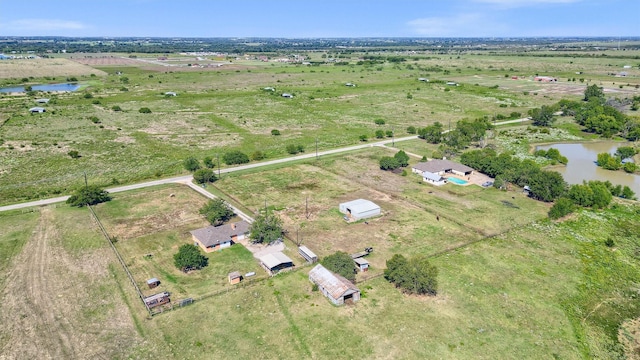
(537, 289)
(224, 108)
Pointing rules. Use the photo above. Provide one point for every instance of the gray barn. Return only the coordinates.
(359, 209)
(335, 287)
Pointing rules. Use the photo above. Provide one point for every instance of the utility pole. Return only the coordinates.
(86, 183)
(306, 208)
(218, 157)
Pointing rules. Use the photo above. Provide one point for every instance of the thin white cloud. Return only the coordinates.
(465, 25)
(44, 25)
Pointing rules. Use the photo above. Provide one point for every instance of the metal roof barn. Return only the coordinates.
(333, 286)
(359, 209)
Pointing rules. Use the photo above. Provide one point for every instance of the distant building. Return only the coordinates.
(170, 93)
(235, 277)
(452, 83)
(335, 287)
(441, 167)
(153, 282)
(423, 79)
(288, 96)
(362, 264)
(157, 299)
(42, 101)
(434, 179)
(307, 254)
(350, 84)
(37, 109)
(359, 209)
(545, 79)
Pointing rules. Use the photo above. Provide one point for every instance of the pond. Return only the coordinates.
(582, 164)
(44, 87)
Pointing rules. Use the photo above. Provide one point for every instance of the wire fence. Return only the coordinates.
(124, 265)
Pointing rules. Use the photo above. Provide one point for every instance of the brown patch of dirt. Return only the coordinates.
(48, 310)
(629, 337)
(153, 223)
(103, 60)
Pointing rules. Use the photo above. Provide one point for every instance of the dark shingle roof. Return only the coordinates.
(212, 235)
(436, 165)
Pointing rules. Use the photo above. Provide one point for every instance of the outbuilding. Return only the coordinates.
(362, 264)
(153, 282)
(157, 299)
(441, 167)
(288, 96)
(359, 209)
(335, 287)
(307, 254)
(275, 262)
(170, 93)
(37, 109)
(235, 277)
(42, 101)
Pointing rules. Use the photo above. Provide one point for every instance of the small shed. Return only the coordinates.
(42, 101)
(452, 83)
(362, 264)
(287, 95)
(157, 299)
(423, 79)
(335, 287)
(275, 262)
(153, 282)
(37, 109)
(170, 93)
(307, 254)
(350, 84)
(359, 209)
(235, 277)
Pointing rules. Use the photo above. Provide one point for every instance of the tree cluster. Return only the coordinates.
(543, 116)
(235, 157)
(217, 211)
(89, 195)
(189, 257)
(614, 162)
(602, 119)
(545, 185)
(465, 133)
(400, 159)
(294, 149)
(591, 194)
(552, 154)
(415, 275)
(266, 228)
(340, 263)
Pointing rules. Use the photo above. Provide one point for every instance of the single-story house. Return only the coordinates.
(362, 264)
(434, 179)
(307, 254)
(275, 262)
(214, 238)
(37, 109)
(335, 287)
(288, 96)
(157, 299)
(441, 167)
(42, 101)
(359, 209)
(153, 282)
(170, 93)
(235, 277)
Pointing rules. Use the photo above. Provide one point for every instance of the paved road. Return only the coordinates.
(187, 178)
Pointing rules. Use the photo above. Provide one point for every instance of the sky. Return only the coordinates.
(326, 18)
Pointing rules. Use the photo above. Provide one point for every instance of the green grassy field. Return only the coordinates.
(226, 108)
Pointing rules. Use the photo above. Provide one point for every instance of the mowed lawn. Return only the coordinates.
(150, 225)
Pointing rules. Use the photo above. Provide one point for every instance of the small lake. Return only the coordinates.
(44, 87)
(582, 164)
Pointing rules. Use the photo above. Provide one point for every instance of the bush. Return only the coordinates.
(275, 132)
(116, 108)
(87, 96)
(629, 167)
(191, 164)
(562, 207)
(88, 195)
(411, 130)
(145, 110)
(189, 257)
(208, 162)
(379, 121)
(202, 176)
(414, 276)
(257, 155)
(74, 154)
(94, 119)
(235, 157)
(363, 137)
(379, 134)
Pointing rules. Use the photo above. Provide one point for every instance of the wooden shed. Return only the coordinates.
(362, 264)
(235, 277)
(153, 282)
(157, 299)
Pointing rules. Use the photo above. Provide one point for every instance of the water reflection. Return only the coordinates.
(582, 164)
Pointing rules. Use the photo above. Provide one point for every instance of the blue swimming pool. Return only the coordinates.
(45, 87)
(457, 181)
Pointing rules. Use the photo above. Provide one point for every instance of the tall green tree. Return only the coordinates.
(191, 164)
(415, 276)
(432, 133)
(389, 163)
(266, 228)
(593, 91)
(562, 207)
(89, 195)
(202, 176)
(542, 116)
(189, 257)
(547, 185)
(235, 157)
(340, 263)
(402, 158)
(217, 211)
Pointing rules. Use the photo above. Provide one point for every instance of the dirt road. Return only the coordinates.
(47, 309)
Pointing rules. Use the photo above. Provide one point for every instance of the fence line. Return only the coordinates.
(124, 265)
